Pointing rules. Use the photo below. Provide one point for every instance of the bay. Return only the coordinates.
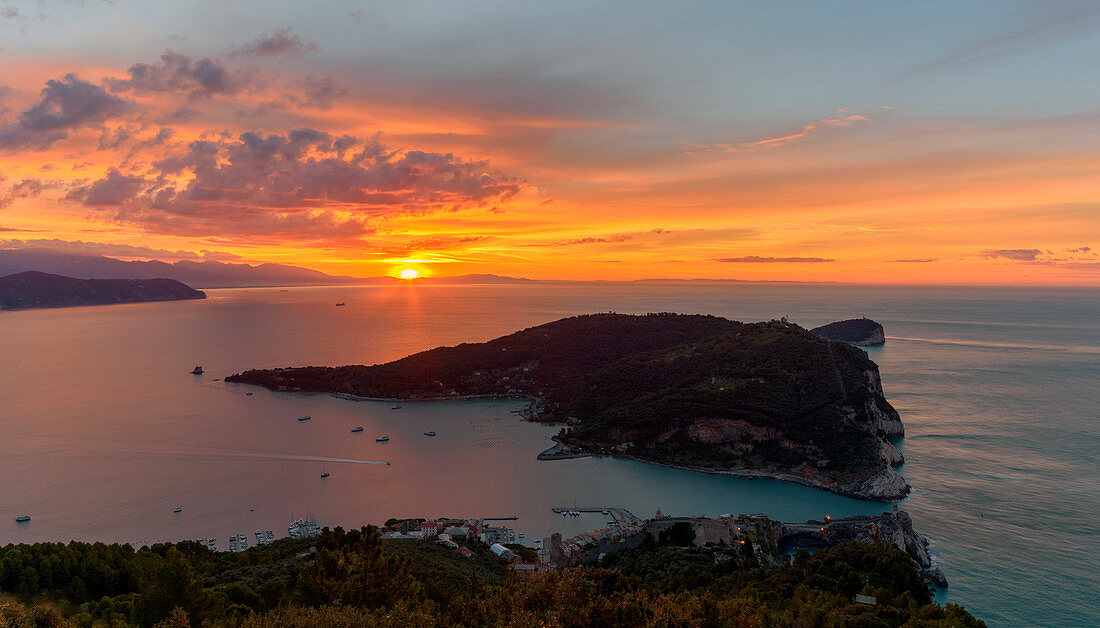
(103, 431)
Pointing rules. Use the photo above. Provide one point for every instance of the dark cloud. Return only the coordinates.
(281, 42)
(321, 92)
(1019, 255)
(752, 259)
(914, 261)
(79, 247)
(304, 185)
(65, 105)
(182, 114)
(5, 93)
(113, 190)
(180, 73)
(27, 188)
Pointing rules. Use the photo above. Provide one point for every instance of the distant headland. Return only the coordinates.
(862, 332)
(697, 392)
(32, 289)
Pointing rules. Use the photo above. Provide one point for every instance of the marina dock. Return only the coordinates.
(622, 515)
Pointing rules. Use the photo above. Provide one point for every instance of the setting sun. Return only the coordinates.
(409, 273)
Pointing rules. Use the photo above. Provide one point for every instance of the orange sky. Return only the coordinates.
(290, 154)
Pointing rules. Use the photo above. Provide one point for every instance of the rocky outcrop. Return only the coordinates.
(862, 332)
(884, 485)
(891, 527)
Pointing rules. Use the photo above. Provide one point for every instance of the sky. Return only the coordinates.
(933, 142)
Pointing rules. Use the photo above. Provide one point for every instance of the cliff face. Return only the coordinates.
(34, 289)
(862, 332)
(761, 399)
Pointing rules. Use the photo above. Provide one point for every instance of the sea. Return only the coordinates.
(104, 432)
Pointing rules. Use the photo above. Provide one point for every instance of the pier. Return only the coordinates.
(622, 515)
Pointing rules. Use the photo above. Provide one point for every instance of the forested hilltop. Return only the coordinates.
(357, 579)
(702, 392)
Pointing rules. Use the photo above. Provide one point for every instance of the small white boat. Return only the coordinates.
(356, 430)
(324, 473)
(382, 439)
(395, 407)
(22, 518)
(304, 417)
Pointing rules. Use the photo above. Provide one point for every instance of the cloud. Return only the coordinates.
(65, 105)
(281, 42)
(840, 119)
(181, 114)
(218, 256)
(114, 189)
(180, 73)
(5, 93)
(27, 188)
(1020, 255)
(304, 185)
(79, 247)
(321, 92)
(435, 243)
(1052, 22)
(588, 240)
(915, 261)
(755, 259)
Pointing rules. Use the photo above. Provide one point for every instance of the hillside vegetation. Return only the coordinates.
(357, 579)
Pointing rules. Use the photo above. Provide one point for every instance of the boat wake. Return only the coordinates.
(1003, 345)
(227, 454)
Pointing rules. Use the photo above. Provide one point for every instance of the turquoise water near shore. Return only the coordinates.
(103, 432)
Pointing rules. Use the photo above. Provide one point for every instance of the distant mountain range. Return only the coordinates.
(32, 289)
(208, 274)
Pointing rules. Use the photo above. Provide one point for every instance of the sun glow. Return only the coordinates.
(409, 273)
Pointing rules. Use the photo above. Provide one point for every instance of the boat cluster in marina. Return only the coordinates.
(303, 529)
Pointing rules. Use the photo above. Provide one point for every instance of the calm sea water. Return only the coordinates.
(103, 432)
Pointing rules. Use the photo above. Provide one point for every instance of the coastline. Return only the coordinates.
(885, 484)
(561, 451)
(351, 397)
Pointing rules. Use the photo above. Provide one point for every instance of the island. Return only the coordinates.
(697, 392)
(862, 332)
(33, 289)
